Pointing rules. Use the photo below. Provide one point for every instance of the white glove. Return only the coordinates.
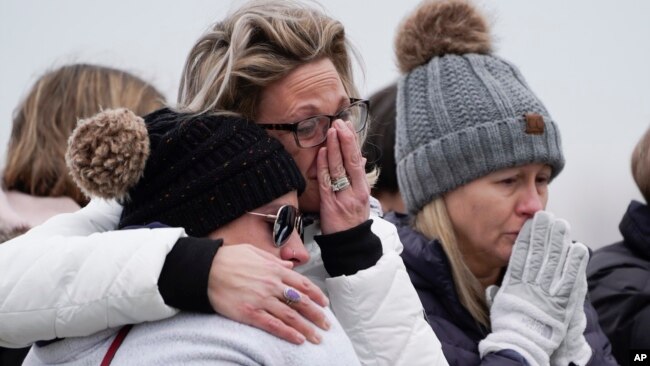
(574, 348)
(544, 283)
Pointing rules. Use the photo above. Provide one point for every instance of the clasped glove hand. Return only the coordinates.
(543, 286)
(574, 349)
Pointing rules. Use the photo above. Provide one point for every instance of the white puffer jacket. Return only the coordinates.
(72, 277)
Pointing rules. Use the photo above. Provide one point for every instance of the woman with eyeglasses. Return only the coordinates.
(286, 66)
(230, 179)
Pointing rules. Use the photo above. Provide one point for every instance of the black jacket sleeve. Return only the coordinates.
(350, 251)
(183, 281)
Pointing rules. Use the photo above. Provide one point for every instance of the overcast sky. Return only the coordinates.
(589, 62)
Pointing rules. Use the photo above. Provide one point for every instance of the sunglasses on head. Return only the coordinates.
(287, 218)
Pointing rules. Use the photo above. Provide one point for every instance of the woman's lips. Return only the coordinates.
(512, 235)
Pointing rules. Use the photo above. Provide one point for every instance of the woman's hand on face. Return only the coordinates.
(246, 284)
(341, 157)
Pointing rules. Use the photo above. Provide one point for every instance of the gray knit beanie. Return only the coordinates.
(462, 112)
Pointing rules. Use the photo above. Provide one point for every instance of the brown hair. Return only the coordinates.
(641, 165)
(49, 113)
(10, 233)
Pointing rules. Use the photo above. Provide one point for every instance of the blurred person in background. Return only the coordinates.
(36, 184)
(619, 273)
(379, 149)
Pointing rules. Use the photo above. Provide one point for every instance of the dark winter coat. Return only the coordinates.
(430, 272)
(619, 284)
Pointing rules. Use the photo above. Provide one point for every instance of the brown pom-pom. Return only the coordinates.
(107, 153)
(439, 27)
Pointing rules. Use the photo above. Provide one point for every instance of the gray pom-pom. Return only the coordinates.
(440, 27)
(107, 153)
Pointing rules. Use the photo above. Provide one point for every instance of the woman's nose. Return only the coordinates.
(530, 201)
(294, 250)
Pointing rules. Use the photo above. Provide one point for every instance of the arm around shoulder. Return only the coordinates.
(59, 280)
(98, 216)
(381, 312)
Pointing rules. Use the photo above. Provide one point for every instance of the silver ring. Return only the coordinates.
(340, 184)
(291, 296)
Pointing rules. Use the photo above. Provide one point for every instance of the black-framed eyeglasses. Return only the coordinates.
(312, 131)
(287, 218)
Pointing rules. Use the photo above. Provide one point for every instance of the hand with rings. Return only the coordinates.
(251, 286)
(344, 190)
(291, 296)
(340, 184)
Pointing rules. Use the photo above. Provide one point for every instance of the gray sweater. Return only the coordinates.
(198, 339)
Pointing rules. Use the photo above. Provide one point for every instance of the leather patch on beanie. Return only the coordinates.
(534, 124)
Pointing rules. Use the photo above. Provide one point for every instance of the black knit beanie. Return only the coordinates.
(202, 171)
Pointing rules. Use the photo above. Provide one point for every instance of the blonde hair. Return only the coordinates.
(259, 43)
(46, 117)
(434, 223)
(232, 63)
(641, 165)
